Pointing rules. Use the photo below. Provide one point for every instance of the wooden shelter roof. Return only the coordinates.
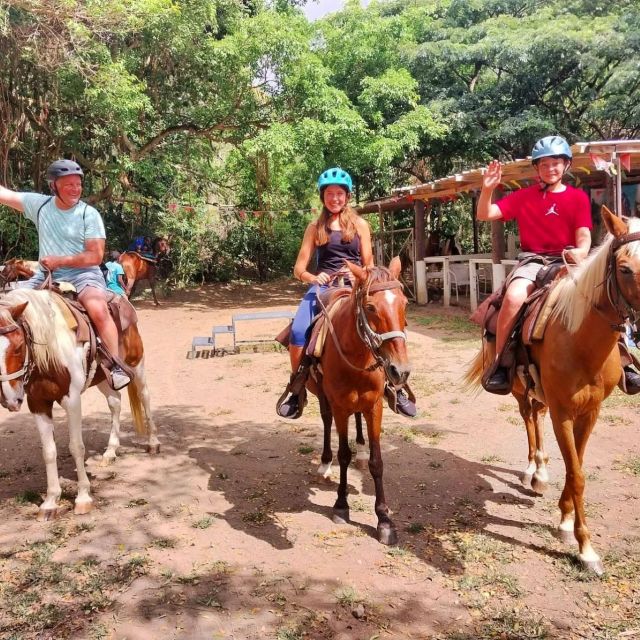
(515, 174)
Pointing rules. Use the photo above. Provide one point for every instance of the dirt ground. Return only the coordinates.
(227, 533)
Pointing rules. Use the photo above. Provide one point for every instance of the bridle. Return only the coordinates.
(25, 371)
(616, 298)
(371, 339)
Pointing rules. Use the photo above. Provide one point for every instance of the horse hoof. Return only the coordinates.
(153, 450)
(362, 464)
(566, 536)
(526, 480)
(594, 566)
(387, 534)
(46, 515)
(83, 508)
(324, 471)
(107, 461)
(539, 486)
(341, 516)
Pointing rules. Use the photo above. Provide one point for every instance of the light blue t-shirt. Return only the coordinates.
(63, 232)
(114, 270)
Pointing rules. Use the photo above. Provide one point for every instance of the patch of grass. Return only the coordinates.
(398, 552)
(257, 517)
(164, 543)
(138, 502)
(28, 497)
(491, 458)
(491, 584)
(449, 323)
(305, 449)
(348, 597)
(358, 504)
(203, 523)
(630, 465)
(415, 527)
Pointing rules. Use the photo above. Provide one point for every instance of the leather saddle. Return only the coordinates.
(77, 319)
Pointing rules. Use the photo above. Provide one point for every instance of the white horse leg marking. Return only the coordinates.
(49, 453)
(72, 405)
(565, 528)
(143, 391)
(541, 474)
(324, 470)
(115, 403)
(362, 456)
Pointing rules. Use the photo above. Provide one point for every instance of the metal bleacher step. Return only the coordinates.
(208, 343)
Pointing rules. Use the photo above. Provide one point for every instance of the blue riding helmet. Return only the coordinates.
(551, 146)
(336, 175)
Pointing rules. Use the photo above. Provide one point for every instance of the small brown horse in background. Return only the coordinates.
(40, 358)
(578, 364)
(367, 342)
(138, 267)
(17, 269)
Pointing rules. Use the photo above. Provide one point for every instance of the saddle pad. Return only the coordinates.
(536, 321)
(320, 326)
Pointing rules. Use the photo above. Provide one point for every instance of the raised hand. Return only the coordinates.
(493, 176)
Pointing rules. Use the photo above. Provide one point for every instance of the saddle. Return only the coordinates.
(147, 257)
(77, 319)
(529, 325)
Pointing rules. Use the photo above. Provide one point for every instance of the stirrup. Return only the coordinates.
(297, 388)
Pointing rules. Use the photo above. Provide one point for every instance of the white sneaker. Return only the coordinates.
(119, 379)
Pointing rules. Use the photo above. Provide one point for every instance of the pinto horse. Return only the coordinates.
(367, 344)
(40, 358)
(139, 267)
(578, 364)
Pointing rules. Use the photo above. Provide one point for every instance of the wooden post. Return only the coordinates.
(419, 209)
(474, 222)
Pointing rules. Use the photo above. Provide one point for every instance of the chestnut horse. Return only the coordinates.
(17, 269)
(578, 364)
(40, 358)
(367, 344)
(139, 267)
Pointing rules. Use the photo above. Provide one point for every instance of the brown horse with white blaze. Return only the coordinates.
(367, 344)
(139, 267)
(40, 358)
(578, 363)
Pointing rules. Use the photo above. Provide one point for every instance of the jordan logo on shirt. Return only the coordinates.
(552, 211)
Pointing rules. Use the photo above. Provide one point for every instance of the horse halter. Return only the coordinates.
(373, 340)
(25, 370)
(616, 299)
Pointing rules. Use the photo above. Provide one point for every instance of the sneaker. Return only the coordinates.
(404, 405)
(119, 379)
(498, 382)
(289, 408)
(631, 380)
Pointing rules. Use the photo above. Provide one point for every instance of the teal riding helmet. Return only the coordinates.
(336, 175)
(551, 146)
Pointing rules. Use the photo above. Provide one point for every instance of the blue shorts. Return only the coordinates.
(80, 282)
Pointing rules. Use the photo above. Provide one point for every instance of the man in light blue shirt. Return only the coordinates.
(71, 241)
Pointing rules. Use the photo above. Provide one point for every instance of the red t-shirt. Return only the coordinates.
(547, 221)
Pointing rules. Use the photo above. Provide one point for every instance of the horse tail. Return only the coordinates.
(472, 379)
(137, 412)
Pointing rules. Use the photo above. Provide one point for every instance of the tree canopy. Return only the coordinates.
(178, 107)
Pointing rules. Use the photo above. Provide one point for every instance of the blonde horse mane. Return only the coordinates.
(52, 338)
(580, 291)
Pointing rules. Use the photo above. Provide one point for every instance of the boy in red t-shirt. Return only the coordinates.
(553, 218)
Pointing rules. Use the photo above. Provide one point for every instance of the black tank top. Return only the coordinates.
(331, 256)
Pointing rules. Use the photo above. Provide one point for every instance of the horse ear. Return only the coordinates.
(395, 266)
(359, 272)
(615, 225)
(17, 311)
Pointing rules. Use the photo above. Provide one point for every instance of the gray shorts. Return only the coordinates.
(527, 271)
(80, 282)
